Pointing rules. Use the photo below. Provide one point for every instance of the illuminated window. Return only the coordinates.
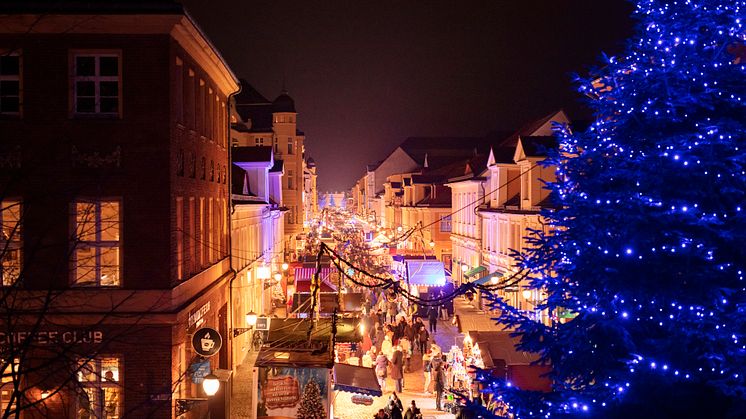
(10, 83)
(96, 84)
(11, 245)
(100, 394)
(290, 146)
(6, 384)
(445, 224)
(96, 255)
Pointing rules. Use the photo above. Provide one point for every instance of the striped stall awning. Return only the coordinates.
(305, 274)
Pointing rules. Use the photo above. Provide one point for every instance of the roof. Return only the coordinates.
(502, 346)
(283, 103)
(91, 7)
(529, 128)
(425, 272)
(537, 146)
(279, 166)
(251, 154)
(355, 379)
(445, 149)
(249, 95)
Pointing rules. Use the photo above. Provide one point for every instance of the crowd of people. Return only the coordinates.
(393, 334)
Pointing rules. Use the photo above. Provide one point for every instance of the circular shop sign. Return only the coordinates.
(207, 341)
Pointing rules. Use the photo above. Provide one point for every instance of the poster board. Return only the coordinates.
(284, 392)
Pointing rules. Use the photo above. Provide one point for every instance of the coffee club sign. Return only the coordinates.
(53, 337)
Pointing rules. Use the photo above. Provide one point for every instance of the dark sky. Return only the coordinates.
(367, 74)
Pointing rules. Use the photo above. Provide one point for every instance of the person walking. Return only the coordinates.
(422, 339)
(413, 412)
(426, 368)
(432, 318)
(381, 365)
(397, 368)
(395, 405)
(439, 387)
(443, 306)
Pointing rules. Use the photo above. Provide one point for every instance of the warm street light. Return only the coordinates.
(432, 243)
(399, 229)
(526, 294)
(278, 277)
(44, 394)
(494, 279)
(285, 266)
(263, 272)
(251, 319)
(464, 267)
(210, 384)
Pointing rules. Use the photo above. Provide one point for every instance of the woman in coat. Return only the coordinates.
(397, 368)
(381, 363)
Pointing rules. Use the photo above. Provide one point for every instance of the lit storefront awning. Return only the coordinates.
(354, 379)
(487, 279)
(426, 272)
(475, 271)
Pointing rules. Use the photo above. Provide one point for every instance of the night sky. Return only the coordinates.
(367, 74)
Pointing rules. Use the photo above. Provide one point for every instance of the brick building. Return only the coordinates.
(114, 170)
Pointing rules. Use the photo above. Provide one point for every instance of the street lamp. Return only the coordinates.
(278, 277)
(251, 319)
(399, 229)
(432, 244)
(285, 266)
(210, 384)
(526, 294)
(494, 280)
(263, 272)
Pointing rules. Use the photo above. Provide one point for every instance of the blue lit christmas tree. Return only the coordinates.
(649, 246)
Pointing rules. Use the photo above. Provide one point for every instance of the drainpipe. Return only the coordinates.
(230, 227)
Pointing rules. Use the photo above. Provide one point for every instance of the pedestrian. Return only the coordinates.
(381, 414)
(439, 387)
(406, 348)
(413, 412)
(422, 339)
(379, 335)
(426, 365)
(381, 366)
(397, 368)
(443, 306)
(392, 310)
(367, 360)
(432, 318)
(387, 346)
(394, 408)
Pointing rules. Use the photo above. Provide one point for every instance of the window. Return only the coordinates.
(212, 170)
(179, 238)
(10, 83)
(203, 169)
(11, 246)
(180, 162)
(291, 179)
(290, 146)
(96, 255)
(7, 388)
(259, 141)
(178, 98)
(192, 165)
(100, 391)
(96, 84)
(445, 224)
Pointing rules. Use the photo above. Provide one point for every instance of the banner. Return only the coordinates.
(289, 393)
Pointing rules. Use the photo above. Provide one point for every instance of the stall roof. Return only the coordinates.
(502, 346)
(305, 274)
(426, 272)
(475, 271)
(354, 379)
(305, 286)
(293, 357)
(292, 330)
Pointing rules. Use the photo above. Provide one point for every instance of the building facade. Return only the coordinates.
(115, 153)
(275, 123)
